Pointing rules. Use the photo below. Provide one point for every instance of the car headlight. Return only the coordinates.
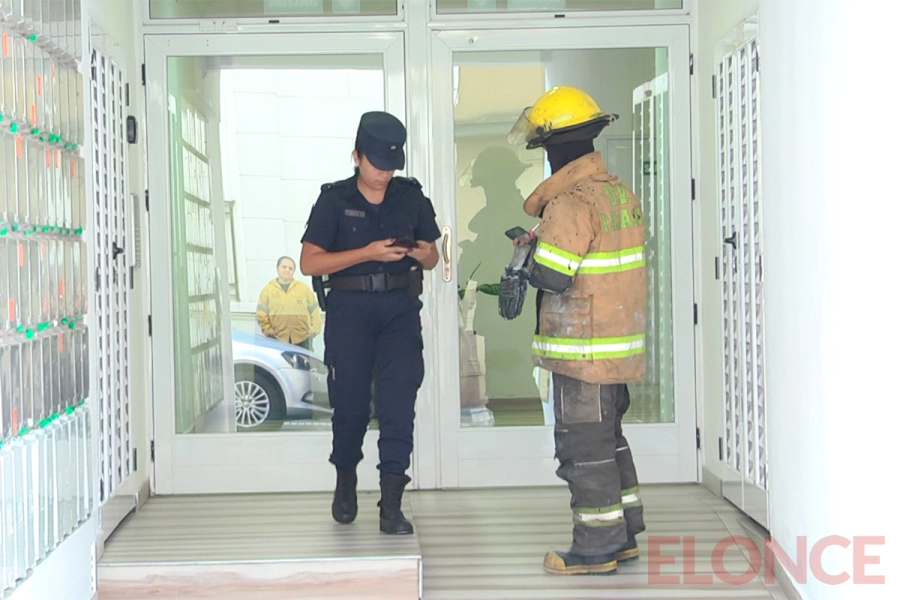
(296, 360)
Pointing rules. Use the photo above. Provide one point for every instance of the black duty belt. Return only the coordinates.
(376, 282)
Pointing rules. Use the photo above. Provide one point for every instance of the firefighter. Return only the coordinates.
(589, 268)
(373, 234)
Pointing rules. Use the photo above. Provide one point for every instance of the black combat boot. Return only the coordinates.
(343, 508)
(392, 520)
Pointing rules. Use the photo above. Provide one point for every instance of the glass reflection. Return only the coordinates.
(499, 385)
(253, 140)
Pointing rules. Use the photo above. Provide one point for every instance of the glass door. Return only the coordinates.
(496, 410)
(242, 132)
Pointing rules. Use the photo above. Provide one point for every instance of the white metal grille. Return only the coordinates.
(112, 274)
(737, 118)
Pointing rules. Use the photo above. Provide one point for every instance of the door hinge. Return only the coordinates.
(717, 268)
(150, 325)
(147, 200)
(143, 73)
(133, 460)
(720, 448)
(698, 438)
(714, 86)
(693, 189)
(691, 63)
(152, 451)
(695, 313)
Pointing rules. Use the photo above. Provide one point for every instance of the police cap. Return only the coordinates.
(380, 137)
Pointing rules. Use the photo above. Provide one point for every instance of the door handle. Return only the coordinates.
(446, 253)
(732, 240)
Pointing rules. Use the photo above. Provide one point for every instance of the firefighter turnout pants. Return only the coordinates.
(596, 462)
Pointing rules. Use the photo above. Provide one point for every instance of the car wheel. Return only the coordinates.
(257, 398)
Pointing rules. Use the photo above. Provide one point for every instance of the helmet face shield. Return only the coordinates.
(523, 131)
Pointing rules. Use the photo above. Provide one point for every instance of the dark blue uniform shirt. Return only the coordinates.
(342, 219)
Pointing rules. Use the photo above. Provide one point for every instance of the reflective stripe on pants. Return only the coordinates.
(596, 462)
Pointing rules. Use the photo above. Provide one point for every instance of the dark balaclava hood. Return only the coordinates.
(566, 146)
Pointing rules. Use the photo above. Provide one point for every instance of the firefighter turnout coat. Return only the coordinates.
(590, 262)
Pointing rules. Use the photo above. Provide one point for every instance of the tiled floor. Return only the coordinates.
(470, 544)
(490, 544)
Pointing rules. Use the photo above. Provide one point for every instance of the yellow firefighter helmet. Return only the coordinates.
(561, 109)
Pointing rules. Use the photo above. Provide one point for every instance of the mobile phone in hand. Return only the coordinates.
(405, 242)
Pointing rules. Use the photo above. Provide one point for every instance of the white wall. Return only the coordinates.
(832, 325)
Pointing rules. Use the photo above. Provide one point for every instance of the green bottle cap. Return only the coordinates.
(20, 328)
(70, 410)
(72, 325)
(32, 37)
(29, 333)
(15, 226)
(35, 131)
(79, 231)
(23, 431)
(3, 231)
(13, 127)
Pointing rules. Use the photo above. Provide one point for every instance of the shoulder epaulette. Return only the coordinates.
(409, 181)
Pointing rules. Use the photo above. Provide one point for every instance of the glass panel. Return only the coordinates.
(193, 9)
(499, 384)
(254, 138)
(499, 6)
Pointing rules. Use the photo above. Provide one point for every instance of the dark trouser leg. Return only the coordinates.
(586, 441)
(349, 354)
(399, 372)
(631, 495)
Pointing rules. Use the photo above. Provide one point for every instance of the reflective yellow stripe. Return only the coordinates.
(556, 258)
(588, 349)
(631, 497)
(599, 517)
(613, 262)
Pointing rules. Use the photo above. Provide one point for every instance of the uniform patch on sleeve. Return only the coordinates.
(354, 213)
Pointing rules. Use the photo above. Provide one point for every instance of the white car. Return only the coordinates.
(276, 381)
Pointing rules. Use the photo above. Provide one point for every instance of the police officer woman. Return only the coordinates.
(373, 234)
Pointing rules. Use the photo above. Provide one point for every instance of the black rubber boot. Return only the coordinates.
(392, 520)
(629, 551)
(344, 508)
(566, 563)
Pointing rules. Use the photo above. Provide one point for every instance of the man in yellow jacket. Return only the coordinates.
(589, 268)
(288, 309)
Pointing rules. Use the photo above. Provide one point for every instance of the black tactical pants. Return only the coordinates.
(596, 462)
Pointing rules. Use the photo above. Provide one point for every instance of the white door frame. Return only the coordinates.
(231, 462)
(497, 456)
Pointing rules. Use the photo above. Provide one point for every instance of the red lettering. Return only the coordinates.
(718, 560)
(860, 559)
(775, 552)
(815, 560)
(690, 569)
(657, 560)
